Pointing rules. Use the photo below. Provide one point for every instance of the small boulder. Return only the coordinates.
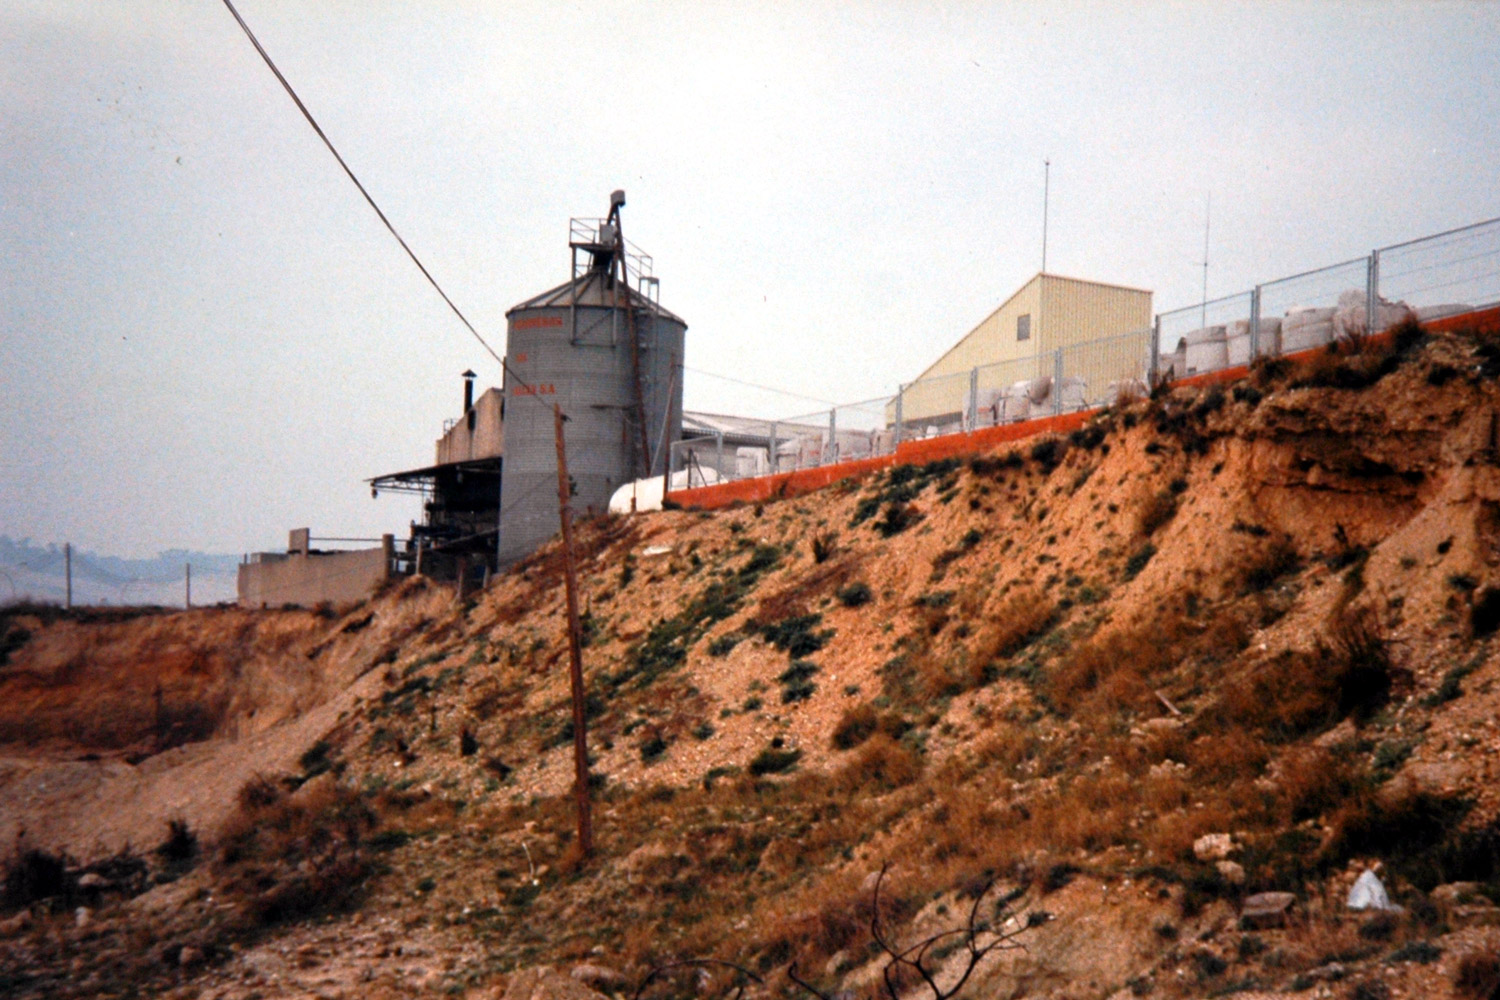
(545, 983)
(1438, 779)
(1474, 915)
(1266, 909)
(1454, 893)
(599, 977)
(1233, 871)
(1213, 847)
(93, 882)
(11, 926)
(1340, 735)
(82, 917)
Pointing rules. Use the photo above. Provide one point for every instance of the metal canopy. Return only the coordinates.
(422, 480)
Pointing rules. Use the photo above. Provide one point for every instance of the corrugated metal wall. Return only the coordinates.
(1062, 311)
(593, 381)
(1076, 312)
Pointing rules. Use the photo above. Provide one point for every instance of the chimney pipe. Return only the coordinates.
(469, 378)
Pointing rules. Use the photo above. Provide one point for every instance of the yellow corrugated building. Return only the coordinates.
(1019, 340)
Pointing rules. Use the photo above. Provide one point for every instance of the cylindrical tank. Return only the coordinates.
(571, 346)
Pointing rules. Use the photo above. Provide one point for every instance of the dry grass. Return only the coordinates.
(882, 763)
(1019, 619)
(282, 857)
(1112, 673)
(1155, 511)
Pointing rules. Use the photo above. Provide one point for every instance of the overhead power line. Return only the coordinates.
(387, 222)
(757, 385)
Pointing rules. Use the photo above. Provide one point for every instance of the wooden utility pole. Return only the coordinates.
(68, 571)
(187, 595)
(575, 645)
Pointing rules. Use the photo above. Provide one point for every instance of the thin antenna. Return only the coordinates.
(1207, 214)
(1046, 186)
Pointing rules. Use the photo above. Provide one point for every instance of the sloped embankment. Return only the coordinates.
(1260, 614)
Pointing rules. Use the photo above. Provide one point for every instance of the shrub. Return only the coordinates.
(897, 518)
(296, 856)
(1423, 952)
(1451, 686)
(652, 748)
(724, 644)
(1138, 560)
(773, 760)
(1049, 452)
(35, 876)
(1155, 512)
(992, 465)
(882, 762)
(1484, 617)
(1362, 664)
(823, 546)
(796, 683)
(855, 594)
(1021, 618)
(316, 759)
(1268, 565)
(1478, 975)
(795, 636)
(180, 847)
(856, 725)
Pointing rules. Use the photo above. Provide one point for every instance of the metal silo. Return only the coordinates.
(604, 349)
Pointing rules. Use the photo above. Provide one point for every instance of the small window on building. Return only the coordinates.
(1023, 326)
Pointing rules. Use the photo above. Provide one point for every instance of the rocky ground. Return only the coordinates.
(1143, 702)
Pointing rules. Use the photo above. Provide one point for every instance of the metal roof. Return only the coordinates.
(425, 475)
(594, 288)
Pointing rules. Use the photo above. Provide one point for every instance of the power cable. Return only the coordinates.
(350, 173)
(756, 385)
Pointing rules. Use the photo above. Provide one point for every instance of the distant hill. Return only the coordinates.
(29, 571)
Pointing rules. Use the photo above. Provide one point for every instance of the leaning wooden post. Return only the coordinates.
(575, 646)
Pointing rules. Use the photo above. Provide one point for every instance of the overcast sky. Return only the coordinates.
(209, 338)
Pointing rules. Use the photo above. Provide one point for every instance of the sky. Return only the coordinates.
(209, 338)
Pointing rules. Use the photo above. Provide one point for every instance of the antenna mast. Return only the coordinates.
(1207, 214)
(1046, 186)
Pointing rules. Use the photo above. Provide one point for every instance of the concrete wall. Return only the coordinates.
(308, 580)
(485, 439)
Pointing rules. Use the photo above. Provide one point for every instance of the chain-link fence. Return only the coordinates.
(1443, 275)
(1446, 274)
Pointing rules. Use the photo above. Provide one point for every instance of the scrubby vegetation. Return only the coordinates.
(1217, 642)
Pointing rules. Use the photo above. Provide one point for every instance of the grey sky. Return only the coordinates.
(208, 337)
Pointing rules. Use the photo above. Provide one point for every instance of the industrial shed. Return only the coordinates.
(1020, 340)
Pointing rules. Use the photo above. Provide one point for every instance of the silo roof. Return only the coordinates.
(596, 288)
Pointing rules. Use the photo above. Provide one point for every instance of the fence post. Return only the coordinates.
(900, 417)
(1372, 293)
(1153, 364)
(973, 414)
(68, 572)
(831, 453)
(1254, 322)
(1057, 377)
(775, 465)
(719, 455)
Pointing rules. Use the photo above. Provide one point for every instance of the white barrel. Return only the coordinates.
(1206, 350)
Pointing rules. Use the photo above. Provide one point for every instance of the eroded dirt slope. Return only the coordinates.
(1260, 614)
